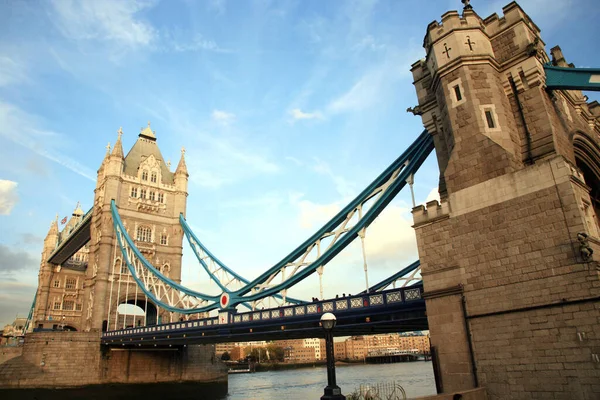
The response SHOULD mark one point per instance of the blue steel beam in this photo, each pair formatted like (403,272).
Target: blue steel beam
(572,78)
(393,310)
(193,241)
(415,155)
(398,172)
(124,238)
(384,283)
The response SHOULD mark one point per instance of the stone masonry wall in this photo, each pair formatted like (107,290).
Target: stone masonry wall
(532,303)
(540,354)
(6,353)
(72,359)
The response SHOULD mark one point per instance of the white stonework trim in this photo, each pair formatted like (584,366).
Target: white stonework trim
(540,176)
(454,101)
(492,109)
(566,108)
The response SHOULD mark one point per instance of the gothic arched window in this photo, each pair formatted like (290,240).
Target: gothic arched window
(144,234)
(153,177)
(587,156)
(144,175)
(142,193)
(152,197)
(161,198)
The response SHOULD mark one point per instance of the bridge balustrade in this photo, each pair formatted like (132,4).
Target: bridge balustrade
(339,306)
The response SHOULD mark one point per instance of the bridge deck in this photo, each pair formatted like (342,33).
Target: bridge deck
(397,310)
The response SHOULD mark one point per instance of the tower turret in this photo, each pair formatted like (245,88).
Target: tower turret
(181,173)
(116,160)
(45,274)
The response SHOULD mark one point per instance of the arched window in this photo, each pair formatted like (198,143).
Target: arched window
(152,196)
(134,192)
(120,268)
(144,175)
(142,193)
(587,157)
(161,198)
(144,234)
(165,270)
(163,239)
(153,177)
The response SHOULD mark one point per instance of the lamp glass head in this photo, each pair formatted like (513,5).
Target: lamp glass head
(328,321)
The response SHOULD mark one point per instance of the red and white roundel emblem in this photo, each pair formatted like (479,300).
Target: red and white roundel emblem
(224,300)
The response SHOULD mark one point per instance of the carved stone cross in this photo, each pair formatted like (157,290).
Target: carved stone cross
(469,43)
(447,50)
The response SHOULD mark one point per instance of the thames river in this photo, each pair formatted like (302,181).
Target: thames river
(303,384)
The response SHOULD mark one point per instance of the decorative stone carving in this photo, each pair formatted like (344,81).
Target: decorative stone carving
(584,246)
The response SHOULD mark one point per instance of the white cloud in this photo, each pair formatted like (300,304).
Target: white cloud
(41,141)
(433,195)
(11,71)
(343,186)
(298,114)
(217,160)
(223,117)
(219,6)
(376,84)
(8,196)
(368,42)
(113,20)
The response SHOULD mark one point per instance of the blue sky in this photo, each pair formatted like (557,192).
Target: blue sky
(287,109)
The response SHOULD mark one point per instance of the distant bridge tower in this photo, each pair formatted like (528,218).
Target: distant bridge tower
(59,299)
(150,198)
(512,294)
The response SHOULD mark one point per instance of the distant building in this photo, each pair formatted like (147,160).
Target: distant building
(302,350)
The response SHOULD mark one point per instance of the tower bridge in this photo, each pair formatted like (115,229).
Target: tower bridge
(507,280)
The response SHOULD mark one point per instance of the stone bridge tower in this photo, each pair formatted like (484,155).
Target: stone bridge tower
(150,198)
(512,294)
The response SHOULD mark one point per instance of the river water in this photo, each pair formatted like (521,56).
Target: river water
(299,384)
(308,383)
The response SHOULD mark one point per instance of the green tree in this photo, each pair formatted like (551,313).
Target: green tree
(276,353)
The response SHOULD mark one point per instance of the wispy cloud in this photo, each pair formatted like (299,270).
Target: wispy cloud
(41,141)
(112,20)
(198,43)
(121,25)
(11,71)
(219,159)
(375,84)
(368,42)
(298,114)
(8,196)
(223,117)
(218,6)
(343,186)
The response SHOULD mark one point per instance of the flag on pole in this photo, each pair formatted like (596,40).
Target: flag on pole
(63,221)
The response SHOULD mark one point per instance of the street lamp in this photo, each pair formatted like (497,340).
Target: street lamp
(332,391)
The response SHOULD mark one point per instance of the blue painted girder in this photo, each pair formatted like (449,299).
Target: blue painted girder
(572,78)
(415,155)
(397,310)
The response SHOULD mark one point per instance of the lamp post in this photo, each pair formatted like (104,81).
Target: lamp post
(332,390)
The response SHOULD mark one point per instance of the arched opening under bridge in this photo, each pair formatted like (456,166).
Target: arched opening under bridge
(587,157)
(136,312)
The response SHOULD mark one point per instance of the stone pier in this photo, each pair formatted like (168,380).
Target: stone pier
(75,360)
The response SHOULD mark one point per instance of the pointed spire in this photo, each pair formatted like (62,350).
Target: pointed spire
(53,227)
(78,211)
(181,167)
(147,133)
(118,149)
